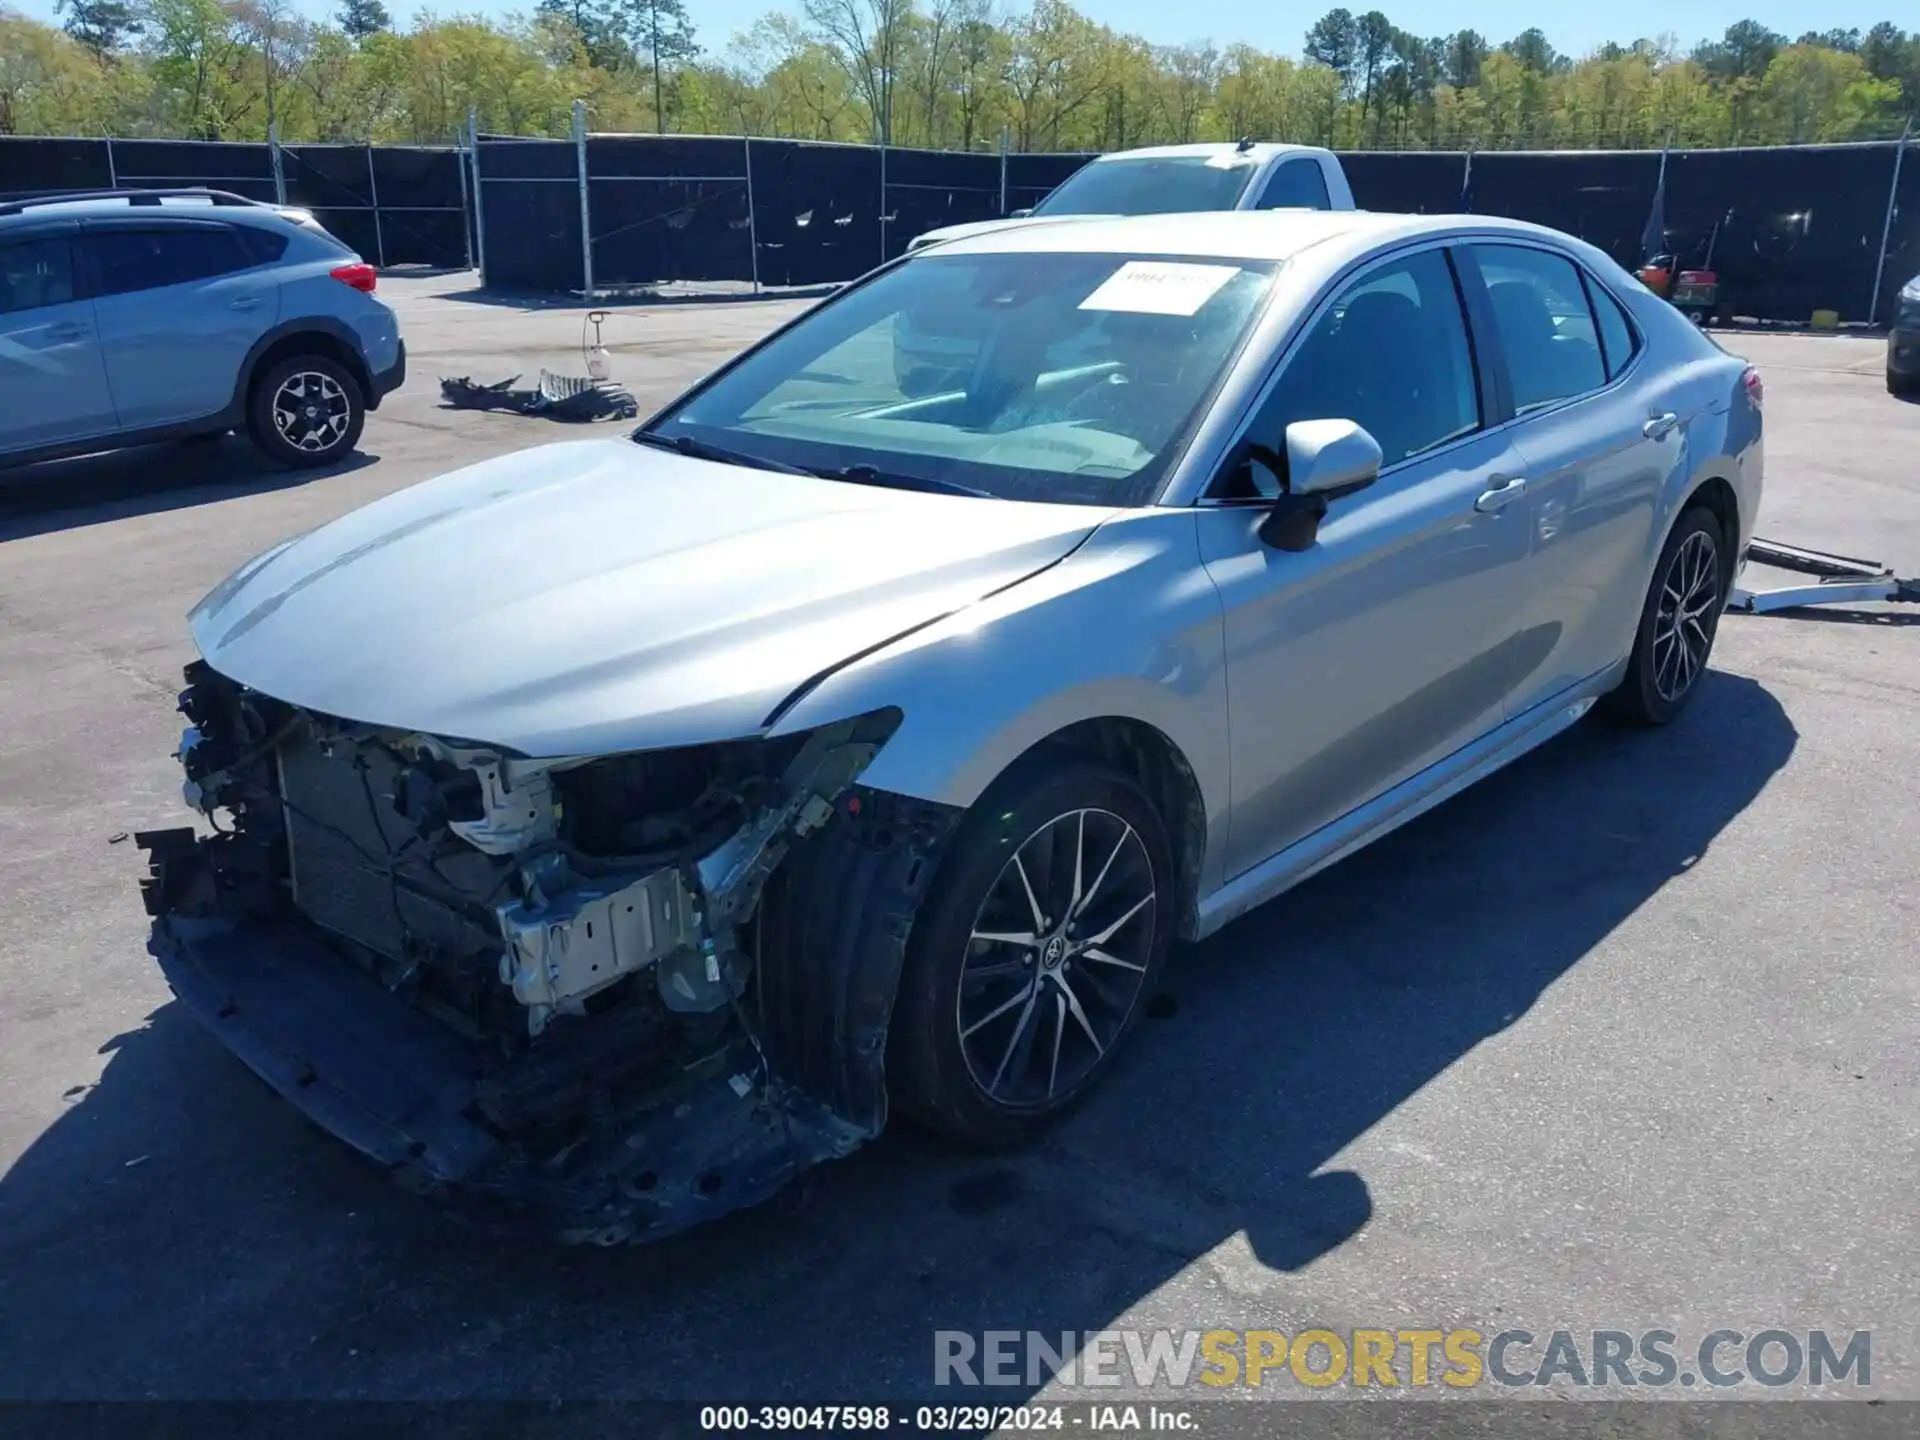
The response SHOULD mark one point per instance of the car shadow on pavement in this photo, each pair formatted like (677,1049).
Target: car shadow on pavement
(180,1233)
(144,480)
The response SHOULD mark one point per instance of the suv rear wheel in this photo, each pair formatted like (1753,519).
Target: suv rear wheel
(306,410)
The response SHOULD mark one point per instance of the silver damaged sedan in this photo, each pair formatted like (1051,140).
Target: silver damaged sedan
(608,832)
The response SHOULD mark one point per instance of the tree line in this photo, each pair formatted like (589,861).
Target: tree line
(944,74)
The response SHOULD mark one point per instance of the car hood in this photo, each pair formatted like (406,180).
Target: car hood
(597,596)
(987,227)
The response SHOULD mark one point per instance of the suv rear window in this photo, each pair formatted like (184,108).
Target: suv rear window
(129,258)
(263,247)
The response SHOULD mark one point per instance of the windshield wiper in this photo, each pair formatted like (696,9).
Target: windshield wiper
(867,475)
(702,450)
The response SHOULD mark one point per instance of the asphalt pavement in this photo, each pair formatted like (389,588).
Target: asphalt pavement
(1626,1037)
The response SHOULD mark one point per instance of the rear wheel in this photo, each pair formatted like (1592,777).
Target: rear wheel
(1678,622)
(1032,959)
(306,410)
(1905,386)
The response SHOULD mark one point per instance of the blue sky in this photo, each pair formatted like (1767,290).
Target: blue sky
(1280,29)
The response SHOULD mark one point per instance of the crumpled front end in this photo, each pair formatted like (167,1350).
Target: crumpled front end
(540,980)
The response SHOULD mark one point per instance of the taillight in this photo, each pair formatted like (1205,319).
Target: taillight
(1756,392)
(360,275)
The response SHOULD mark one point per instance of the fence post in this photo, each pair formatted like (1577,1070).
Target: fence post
(753,220)
(113,176)
(462,155)
(1886,226)
(479,190)
(883,203)
(373,194)
(586,210)
(279,172)
(1003,171)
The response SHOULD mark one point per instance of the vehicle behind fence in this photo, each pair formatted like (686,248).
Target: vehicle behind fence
(1789,230)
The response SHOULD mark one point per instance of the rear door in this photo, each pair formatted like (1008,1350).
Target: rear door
(1598,438)
(179,302)
(53,383)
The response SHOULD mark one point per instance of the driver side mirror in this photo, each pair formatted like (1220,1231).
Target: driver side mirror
(1018,214)
(1325,460)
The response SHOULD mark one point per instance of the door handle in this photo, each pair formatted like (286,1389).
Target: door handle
(247,302)
(67,331)
(1659,424)
(1504,491)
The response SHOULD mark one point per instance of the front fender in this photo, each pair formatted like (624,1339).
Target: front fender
(1129,625)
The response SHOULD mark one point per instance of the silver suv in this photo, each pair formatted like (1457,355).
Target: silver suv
(132,316)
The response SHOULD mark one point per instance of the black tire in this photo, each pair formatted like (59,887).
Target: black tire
(306,410)
(1670,656)
(1905,386)
(1079,1009)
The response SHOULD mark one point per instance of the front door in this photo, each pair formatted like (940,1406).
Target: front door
(1397,638)
(53,385)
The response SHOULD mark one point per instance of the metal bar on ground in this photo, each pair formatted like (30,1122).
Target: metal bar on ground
(466,223)
(279,172)
(586,208)
(373,194)
(1886,227)
(753,223)
(1843,580)
(479,191)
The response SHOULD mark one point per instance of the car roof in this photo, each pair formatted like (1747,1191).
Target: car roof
(167,207)
(1236,234)
(1206,149)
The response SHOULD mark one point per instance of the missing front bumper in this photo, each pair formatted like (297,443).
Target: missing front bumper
(403,1091)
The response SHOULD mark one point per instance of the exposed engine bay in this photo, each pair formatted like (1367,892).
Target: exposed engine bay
(573,1011)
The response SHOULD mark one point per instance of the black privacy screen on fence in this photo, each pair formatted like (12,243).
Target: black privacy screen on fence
(395,204)
(1789,230)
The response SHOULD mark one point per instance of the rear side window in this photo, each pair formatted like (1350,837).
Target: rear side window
(263,247)
(128,259)
(36,273)
(1540,311)
(1298,184)
(1618,342)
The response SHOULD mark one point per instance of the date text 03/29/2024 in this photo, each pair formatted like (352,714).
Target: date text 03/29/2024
(943,1419)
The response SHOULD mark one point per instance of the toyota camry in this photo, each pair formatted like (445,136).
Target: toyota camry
(617,828)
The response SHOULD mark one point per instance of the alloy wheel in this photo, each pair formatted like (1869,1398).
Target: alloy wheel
(311,411)
(1057,959)
(1685,618)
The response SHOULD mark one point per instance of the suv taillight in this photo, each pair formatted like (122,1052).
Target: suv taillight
(360,275)
(1756,392)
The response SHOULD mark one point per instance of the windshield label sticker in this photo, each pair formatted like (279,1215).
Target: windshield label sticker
(1159,287)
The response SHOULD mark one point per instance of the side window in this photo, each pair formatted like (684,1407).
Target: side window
(1390,354)
(147,259)
(1618,340)
(36,273)
(1540,311)
(1298,184)
(263,247)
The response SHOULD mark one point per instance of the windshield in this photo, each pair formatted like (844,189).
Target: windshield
(1066,378)
(1165,185)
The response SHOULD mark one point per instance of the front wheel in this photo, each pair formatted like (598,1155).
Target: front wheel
(1032,960)
(1905,386)
(1678,622)
(306,411)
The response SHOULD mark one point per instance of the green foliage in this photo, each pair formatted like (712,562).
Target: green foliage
(942,73)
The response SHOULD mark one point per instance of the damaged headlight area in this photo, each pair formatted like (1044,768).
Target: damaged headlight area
(530,976)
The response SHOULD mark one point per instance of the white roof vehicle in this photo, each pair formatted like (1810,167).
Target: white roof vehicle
(1174,179)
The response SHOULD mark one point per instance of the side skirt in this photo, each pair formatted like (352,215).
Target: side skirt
(1406,801)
